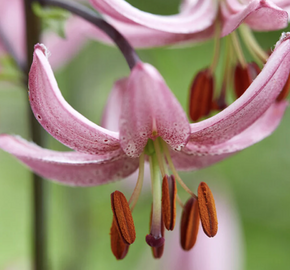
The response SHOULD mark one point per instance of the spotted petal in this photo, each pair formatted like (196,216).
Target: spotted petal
(193,157)
(58,117)
(260,15)
(70,168)
(150,110)
(194,16)
(251,105)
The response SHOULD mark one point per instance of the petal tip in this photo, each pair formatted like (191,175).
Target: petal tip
(40,46)
(284,36)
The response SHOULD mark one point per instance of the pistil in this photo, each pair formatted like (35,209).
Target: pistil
(155,239)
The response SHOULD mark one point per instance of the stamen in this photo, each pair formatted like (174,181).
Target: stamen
(155,239)
(189,224)
(217,44)
(123,217)
(252,44)
(207,210)
(169,191)
(201,95)
(244,77)
(137,190)
(238,49)
(172,168)
(118,246)
(179,201)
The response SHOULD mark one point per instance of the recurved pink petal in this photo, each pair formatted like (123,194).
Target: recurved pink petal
(58,117)
(143,37)
(70,168)
(195,16)
(195,157)
(150,110)
(251,105)
(261,15)
(112,111)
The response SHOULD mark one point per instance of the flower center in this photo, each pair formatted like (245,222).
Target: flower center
(163,210)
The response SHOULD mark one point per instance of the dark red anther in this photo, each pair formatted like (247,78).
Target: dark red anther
(118,246)
(243,77)
(201,95)
(285,91)
(189,224)
(169,192)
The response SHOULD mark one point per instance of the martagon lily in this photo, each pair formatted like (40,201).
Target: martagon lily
(151,126)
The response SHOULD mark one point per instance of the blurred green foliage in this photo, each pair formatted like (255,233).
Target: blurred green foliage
(79,219)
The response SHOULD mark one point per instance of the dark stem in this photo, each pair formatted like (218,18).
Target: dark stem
(90,16)
(39,240)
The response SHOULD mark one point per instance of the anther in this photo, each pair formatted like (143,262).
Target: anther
(189,224)
(123,217)
(244,76)
(285,91)
(207,210)
(201,95)
(118,246)
(169,191)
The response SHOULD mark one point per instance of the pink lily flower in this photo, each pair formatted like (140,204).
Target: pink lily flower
(12,24)
(147,110)
(195,21)
(151,126)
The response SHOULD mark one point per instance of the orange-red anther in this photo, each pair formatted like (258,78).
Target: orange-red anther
(207,210)
(285,91)
(118,246)
(201,95)
(123,217)
(244,76)
(189,224)
(169,191)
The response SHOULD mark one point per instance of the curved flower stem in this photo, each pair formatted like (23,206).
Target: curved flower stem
(39,224)
(90,16)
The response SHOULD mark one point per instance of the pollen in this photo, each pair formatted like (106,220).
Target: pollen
(118,246)
(169,191)
(189,224)
(207,210)
(123,217)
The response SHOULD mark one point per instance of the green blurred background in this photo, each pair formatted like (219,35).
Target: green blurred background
(79,218)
